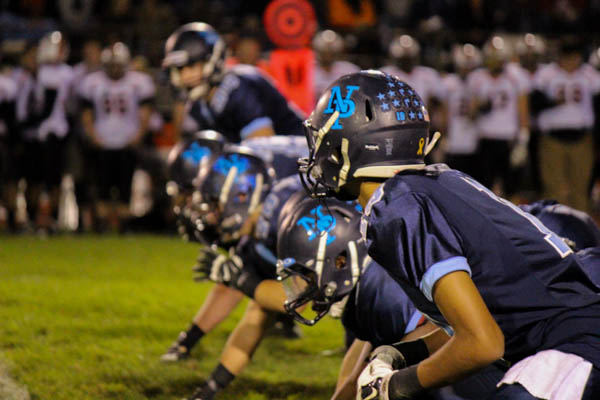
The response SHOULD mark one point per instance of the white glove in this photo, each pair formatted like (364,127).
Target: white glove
(374,379)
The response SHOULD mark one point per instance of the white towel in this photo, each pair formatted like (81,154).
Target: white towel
(551,375)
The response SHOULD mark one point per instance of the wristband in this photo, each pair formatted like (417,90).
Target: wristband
(414,352)
(404,384)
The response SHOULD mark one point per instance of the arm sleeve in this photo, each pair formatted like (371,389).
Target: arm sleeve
(415,237)
(248,110)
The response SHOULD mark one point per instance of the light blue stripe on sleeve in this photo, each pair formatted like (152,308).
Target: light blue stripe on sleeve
(413,321)
(258,123)
(266,254)
(439,270)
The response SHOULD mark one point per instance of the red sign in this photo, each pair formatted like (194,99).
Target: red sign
(293,71)
(290,24)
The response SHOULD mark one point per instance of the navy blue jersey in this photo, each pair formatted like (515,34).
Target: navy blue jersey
(245,101)
(378,311)
(264,242)
(425,224)
(566,222)
(282,152)
(590,262)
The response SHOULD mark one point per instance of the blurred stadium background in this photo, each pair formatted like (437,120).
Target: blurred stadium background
(86,316)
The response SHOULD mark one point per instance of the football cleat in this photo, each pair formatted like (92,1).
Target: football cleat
(177,351)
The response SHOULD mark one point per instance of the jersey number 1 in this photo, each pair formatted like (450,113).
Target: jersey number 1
(552,238)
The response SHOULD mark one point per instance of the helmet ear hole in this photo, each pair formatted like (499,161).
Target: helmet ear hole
(340,260)
(336,155)
(368,111)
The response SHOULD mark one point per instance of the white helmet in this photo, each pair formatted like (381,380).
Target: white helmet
(115,59)
(53,48)
(328,41)
(466,56)
(404,46)
(531,43)
(496,52)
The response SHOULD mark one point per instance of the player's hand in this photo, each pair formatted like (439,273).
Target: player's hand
(374,379)
(218,265)
(519,152)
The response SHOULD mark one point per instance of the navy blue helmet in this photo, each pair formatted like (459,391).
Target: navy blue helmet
(320,254)
(367,124)
(184,162)
(232,189)
(192,43)
(188,154)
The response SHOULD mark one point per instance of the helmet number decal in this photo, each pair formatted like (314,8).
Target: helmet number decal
(345,106)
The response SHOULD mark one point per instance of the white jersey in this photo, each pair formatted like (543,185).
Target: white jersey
(461,137)
(52,90)
(8,94)
(323,78)
(424,80)
(575,90)
(116,105)
(503,91)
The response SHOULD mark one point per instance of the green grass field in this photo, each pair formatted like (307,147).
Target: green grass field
(88,317)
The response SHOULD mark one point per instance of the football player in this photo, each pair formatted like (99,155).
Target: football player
(503,117)
(504,285)
(53,85)
(462,136)
(577,228)
(28,153)
(531,50)
(281,151)
(563,98)
(8,96)
(329,47)
(240,102)
(251,270)
(250,266)
(185,161)
(566,222)
(323,260)
(117,108)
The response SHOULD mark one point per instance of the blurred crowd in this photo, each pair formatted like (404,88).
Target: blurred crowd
(87,116)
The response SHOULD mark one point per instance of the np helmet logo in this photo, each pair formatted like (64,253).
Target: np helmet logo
(345,106)
(317,224)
